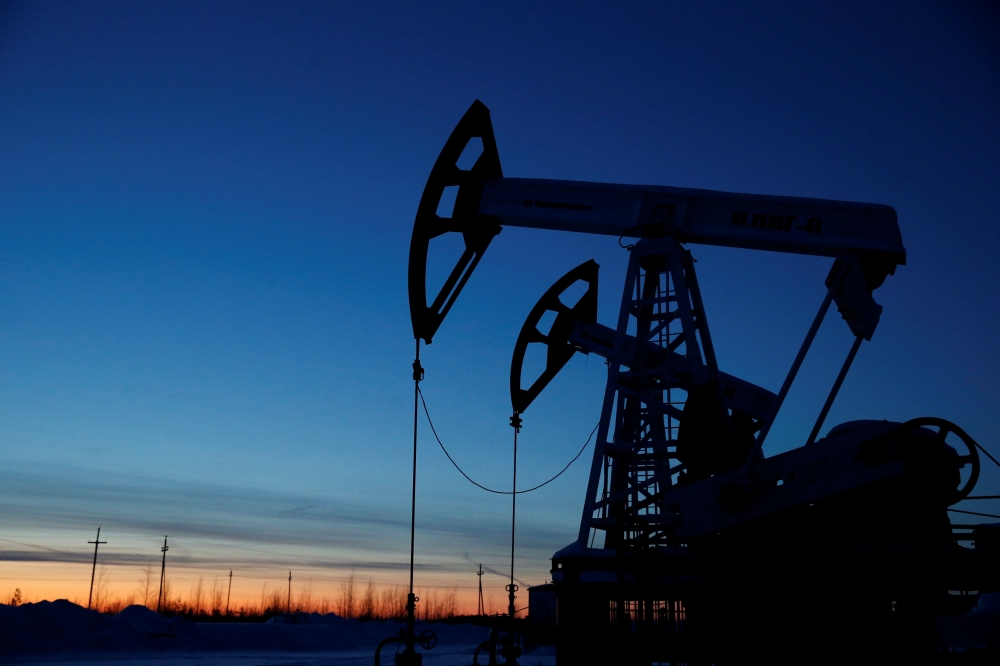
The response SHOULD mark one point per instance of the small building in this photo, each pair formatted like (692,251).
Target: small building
(542,610)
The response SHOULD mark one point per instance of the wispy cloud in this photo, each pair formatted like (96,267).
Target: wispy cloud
(209,523)
(207,562)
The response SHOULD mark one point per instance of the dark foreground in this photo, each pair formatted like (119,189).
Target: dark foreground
(60,632)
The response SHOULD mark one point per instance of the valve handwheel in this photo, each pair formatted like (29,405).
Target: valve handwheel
(943,429)
(428,639)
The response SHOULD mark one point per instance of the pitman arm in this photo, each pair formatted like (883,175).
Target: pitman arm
(736,393)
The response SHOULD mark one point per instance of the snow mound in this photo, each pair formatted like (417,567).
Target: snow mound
(64,627)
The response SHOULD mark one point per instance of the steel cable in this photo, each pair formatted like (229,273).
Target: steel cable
(981,497)
(479,485)
(975,513)
(987,453)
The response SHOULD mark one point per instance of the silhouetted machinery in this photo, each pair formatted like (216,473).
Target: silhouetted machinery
(693,547)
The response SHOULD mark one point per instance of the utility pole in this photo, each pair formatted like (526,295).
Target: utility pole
(482,608)
(163,573)
(230,592)
(97,542)
(288,608)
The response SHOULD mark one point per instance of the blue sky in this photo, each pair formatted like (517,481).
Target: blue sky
(205,212)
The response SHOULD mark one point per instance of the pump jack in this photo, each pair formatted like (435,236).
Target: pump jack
(710,552)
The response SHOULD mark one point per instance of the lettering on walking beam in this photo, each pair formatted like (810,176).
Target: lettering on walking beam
(776,222)
(538,203)
(663,213)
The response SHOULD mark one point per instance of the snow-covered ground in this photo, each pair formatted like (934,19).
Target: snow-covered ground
(59,632)
(436,657)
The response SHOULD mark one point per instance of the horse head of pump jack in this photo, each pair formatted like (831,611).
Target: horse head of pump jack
(558,346)
(477,230)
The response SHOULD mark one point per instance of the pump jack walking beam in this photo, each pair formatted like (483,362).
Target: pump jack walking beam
(486,201)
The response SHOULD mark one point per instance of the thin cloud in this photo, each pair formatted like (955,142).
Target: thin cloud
(212,525)
(208,562)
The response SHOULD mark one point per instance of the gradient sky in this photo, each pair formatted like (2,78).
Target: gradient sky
(205,213)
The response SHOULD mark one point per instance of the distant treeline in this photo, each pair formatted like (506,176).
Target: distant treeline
(205,604)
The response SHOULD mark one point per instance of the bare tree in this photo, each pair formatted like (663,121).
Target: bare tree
(428,602)
(304,601)
(438,605)
(146,585)
(216,597)
(276,602)
(100,590)
(449,604)
(168,604)
(271,603)
(366,611)
(347,598)
(196,602)
(392,603)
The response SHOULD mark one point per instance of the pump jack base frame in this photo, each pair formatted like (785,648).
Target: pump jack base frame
(770,596)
